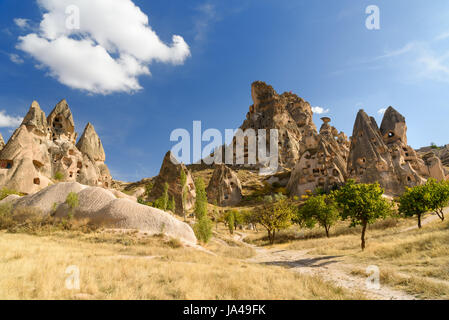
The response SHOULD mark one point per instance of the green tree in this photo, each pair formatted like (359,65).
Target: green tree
(183,180)
(414,202)
(363,204)
(230,221)
(321,209)
(437,196)
(203,229)
(172,205)
(275,216)
(201,199)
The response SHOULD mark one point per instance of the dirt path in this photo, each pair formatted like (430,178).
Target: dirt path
(329,268)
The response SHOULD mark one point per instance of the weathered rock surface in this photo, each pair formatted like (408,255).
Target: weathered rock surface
(322,165)
(102,208)
(382,155)
(224,187)
(2,142)
(171,173)
(42,148)
(289,114)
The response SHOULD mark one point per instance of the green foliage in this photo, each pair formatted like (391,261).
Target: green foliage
(362,203)
(203,229)
(149,188)
(274,216)
(59,176)
(5,192)
(183,181)
(321,209)
(230,221)
(413,202)
(434,146)
(172,205)
(432,196)
(201,199)
(73,202)
(162,202)
(437,196)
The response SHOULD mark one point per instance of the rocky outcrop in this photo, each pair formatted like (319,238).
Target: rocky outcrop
(170,173)
(382,155)
(224,187)
(2,142)
(102,208)
(42,150)
(322,165)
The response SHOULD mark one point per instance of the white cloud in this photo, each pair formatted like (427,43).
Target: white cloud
(319,110)
(7,121)
(381,111)
(112,48)
(16,58)
(21,23)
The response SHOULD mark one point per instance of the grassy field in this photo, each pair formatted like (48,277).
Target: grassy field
(414,261)
(127,266)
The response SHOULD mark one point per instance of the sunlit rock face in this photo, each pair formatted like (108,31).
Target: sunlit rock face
(382,154)
(43,149)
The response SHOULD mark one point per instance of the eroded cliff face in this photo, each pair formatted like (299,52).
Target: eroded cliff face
(170,173)
(322,165)
(382,155)
(43,149)
(289,114)
(224,188)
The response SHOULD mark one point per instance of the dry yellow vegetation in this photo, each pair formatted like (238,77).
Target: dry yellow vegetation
(411,260)
(128,266)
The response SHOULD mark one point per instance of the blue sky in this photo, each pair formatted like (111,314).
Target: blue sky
(319,49)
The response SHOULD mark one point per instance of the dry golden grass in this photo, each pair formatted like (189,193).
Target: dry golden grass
(415,261)
(125,266)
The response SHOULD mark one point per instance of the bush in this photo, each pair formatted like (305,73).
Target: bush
(4,192)
(203,229)
(59,176)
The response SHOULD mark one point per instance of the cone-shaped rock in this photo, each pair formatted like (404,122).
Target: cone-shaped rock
(224,187)
(90,144)
(36,120)
(170,173)
(61,122)
(393,127)
(40,153)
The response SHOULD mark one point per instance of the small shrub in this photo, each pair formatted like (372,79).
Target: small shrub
(174,243)
(59,176)
(5,192)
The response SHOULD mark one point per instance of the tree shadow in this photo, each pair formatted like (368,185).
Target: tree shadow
(308,262)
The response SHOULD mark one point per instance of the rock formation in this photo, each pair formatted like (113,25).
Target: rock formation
(104,209)
(43,149)
(2,142)
(382,155)
(170,173)
(322,165)
(224,187)
(289,114)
